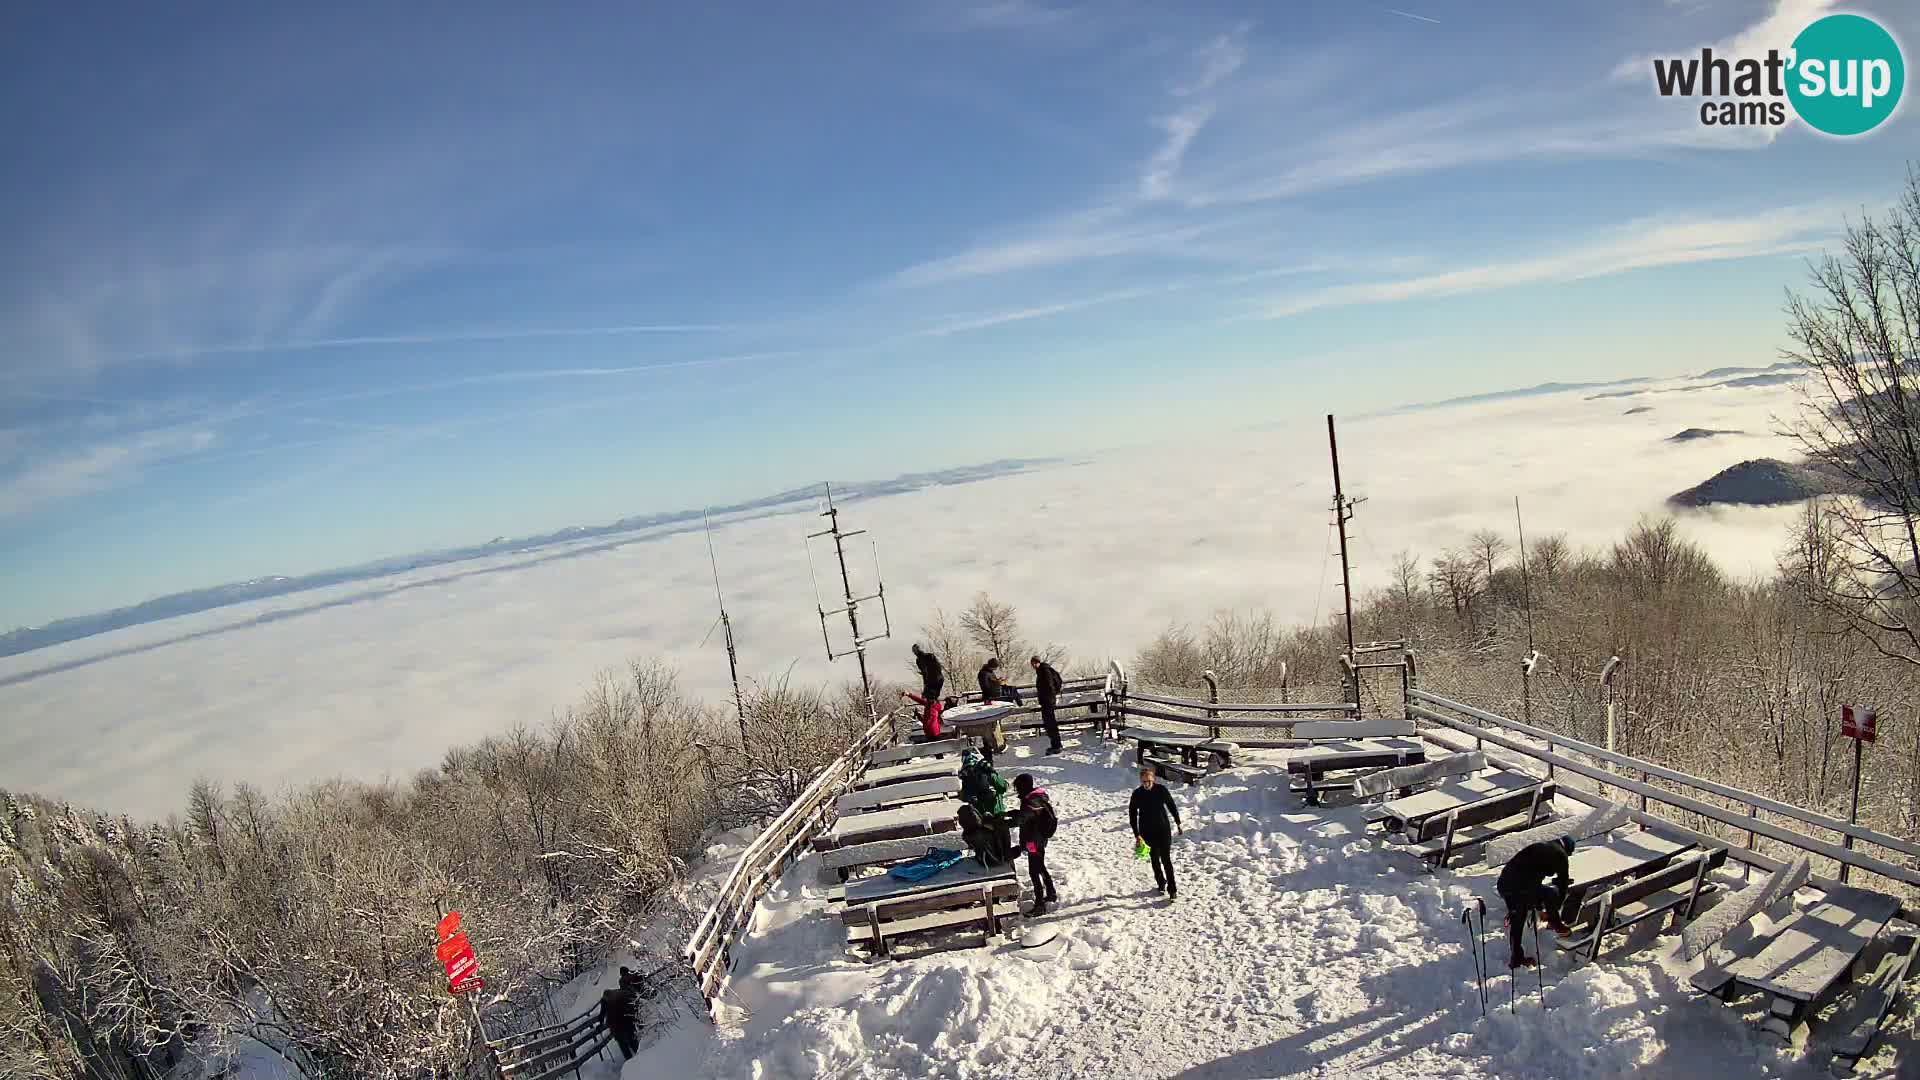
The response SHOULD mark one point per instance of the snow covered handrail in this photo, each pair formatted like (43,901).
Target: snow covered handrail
(1771,806)
(765,857)
(1511,739)
(1274,707)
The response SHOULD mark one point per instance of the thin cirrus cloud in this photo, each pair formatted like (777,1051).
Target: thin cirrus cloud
(433,338)
(96,468)
(1639,245)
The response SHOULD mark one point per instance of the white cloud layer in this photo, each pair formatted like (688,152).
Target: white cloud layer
(1097,556)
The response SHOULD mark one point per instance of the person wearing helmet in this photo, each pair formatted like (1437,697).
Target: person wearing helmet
(1524,887)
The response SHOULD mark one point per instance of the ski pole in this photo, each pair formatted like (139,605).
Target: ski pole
(1540,962)
(1480,941)
(1480,978)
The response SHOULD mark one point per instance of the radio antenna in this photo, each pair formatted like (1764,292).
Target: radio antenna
(733,656)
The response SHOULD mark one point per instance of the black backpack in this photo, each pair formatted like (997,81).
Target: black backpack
(1045,820)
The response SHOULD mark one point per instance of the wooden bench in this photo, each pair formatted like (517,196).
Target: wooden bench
(1442,836)
(1877,1000)
(907,772)
(1315,762)
(877,922)
(1302,733)
(879,798)
(967,871)
(895,823)
(1613,859)
(894,755)
(1802,962)
(844,860)
(1407,777)
(1160,747)
(1677,886)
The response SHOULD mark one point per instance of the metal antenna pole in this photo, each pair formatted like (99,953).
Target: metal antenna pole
(1526,594)
(852,602)
(1342,513)
(733,656)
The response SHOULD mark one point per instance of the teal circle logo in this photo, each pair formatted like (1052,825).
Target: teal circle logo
(1847,75)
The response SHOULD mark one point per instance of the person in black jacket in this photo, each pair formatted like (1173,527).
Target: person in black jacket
(1148,811)
(1046,687)
(933,678)
(1037,823)
(991,686)
(1523,885)
(619,1011)
(985,836)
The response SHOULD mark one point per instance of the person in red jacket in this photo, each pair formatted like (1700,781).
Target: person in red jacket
(930,710)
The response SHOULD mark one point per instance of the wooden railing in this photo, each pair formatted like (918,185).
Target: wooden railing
(709,949)
(1525,739)
(549,1052)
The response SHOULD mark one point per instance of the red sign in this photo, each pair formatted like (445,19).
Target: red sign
(1857,722)
(456,953)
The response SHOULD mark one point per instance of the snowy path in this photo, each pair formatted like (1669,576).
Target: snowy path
(1299,947)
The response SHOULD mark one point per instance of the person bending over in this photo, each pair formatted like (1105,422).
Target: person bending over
(1524,887)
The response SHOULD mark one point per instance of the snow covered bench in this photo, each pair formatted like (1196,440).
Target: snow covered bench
(1158,747)
(894,755)
(1440,836)
(884,908)
(1409,812)
(896,823)
(1799,964)
(1877,1000)
(907,772)
(1314,763)
(1676,887)
(1303,733)
(879,798)
(1600,865)
(845,860)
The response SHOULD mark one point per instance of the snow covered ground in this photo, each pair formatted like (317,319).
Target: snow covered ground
(1299,946)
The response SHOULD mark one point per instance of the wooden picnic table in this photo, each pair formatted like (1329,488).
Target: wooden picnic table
(896,823)
(1809,956)
(879,887)
(1412,809)
(1601,863)
(976,715)
(894,755)
(908,771)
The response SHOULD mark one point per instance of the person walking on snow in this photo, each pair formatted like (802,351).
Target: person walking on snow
(930,710)
(1524,887)
(1149,811)
(1037,824)
(933,678)
(993,688)
(1046,687)
(619,1011)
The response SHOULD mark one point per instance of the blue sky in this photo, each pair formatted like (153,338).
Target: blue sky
(286,290)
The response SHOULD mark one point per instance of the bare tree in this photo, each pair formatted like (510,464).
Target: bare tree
(1487,547)
(1858,334)
(993,627)
(1549,555)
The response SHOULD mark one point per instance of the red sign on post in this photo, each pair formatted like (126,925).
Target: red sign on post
(1857,722)
(456,953)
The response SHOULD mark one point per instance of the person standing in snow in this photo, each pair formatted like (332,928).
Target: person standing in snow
(993,688)
(619,1011)
(1046,687)
(1152,813)
(1523,885)
(933,678)
(1037,823)
(980,786)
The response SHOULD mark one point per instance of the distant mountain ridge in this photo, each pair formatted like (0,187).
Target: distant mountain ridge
(29,638)
(1761,482)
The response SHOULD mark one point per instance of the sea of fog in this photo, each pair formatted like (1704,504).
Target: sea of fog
(378,678)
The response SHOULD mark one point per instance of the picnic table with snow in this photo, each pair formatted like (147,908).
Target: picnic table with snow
(907,772)
(1314,762)
(1399,814)
(894,823)
(895,755)
(1800,962)
(972,719)
(882,908)
(1603,862)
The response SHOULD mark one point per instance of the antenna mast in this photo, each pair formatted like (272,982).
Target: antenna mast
(851,602)
(1526,593)
(1342,513)
(726,624)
